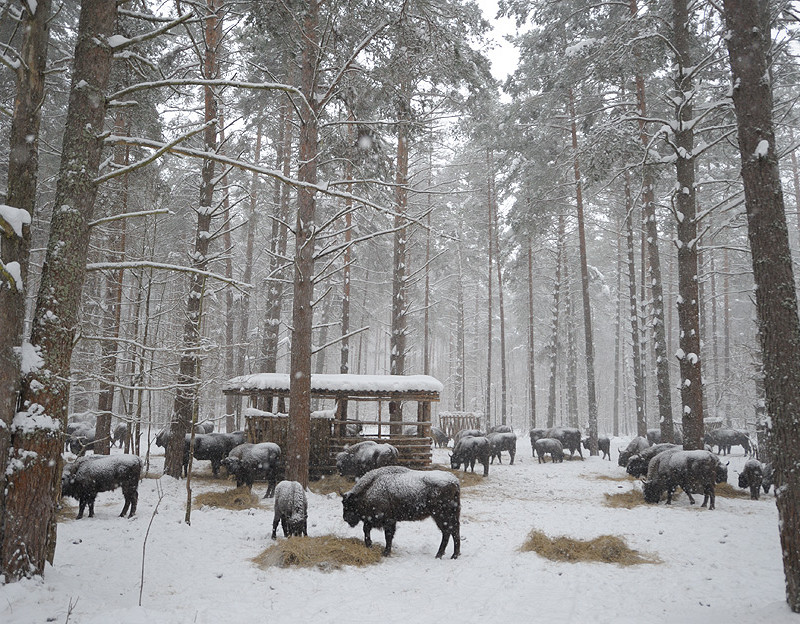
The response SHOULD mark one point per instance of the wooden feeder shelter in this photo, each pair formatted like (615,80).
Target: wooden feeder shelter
(329,434)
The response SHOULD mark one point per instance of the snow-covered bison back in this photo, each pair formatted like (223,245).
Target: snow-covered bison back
(385,496)
(87,476)
(693,471)
(360,458)
(247,462)
(291,509)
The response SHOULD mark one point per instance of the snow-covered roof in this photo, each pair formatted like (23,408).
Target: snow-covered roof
(335,385)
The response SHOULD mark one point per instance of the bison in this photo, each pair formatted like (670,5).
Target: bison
(691,470)
(569,437)
(87,476)
(360,458)
(752,476)
(603,445)
(724,439)
(291,509)
(385,496)
(247,462)
(637,445)
(475,433)
(543,446)
(470,449)
(640,462)
(440,438)
(535,434)
(502,441)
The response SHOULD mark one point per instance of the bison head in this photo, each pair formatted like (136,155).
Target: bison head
(721,472)
(349,510)
(455,461)
(232,465)
(637,466)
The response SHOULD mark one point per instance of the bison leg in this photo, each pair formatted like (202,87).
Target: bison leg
(91,507)
(215,467)
(285,526)
(81,507)
(275,521)
(486,468)
(367,538)
(512,453)
(271,480)
(388,532)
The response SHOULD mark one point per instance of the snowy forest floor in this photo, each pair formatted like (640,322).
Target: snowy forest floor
(715,566)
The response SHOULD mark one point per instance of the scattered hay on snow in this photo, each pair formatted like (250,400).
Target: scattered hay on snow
(66,512)
(328,484)
(625,500)
(726,490)
(603,549)
(326,552)
(466,479)
(236,499)
(622,477)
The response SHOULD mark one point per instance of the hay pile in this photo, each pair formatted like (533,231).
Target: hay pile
(726,490)
(466,479)
(624,500)
(617,478)
(603,549)
(328,484)
(236,499)
(326,552)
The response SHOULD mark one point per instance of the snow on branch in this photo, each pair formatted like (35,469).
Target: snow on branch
(125,215)
(158,153)
(118,42)
(115,266)
(339,339)
(199,82)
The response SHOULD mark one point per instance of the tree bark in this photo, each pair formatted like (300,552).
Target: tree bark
(489,303)
(399,321)
(663,386)
(299,438)
(554,346)
(686,211)
(587,307)
(776,299)
(531,350)
(113,305)
(33,487)
(617,339)
(23,168)
(499,265)
(638,381)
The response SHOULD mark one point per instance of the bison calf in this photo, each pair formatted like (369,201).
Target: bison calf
(291,509)
(87,476)
(385,496)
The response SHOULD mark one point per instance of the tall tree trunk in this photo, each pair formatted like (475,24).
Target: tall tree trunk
(187,395)
(686,211)
(399,321)
(531,350)
(244,301)
(299,439)
(113,304)
(776,297)
(461,360)
(344,364)
(489,319)
(268,360)
(663,385)
(32,488)
(231,308)
(638,381)
(499,264)
(571,379)
(23,168)
(617,338)
(554,346)
(587,307)
(795,179)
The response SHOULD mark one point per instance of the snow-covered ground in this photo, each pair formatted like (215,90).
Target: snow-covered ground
(717,566)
